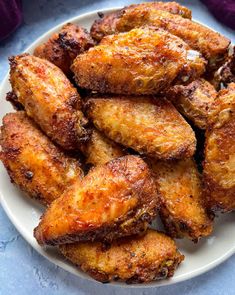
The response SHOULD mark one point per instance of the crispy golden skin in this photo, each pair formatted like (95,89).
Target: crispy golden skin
(113,200)
(49,98)
(107,24)
(194,100)
(141,61)
(100,149)
(152,127)
(62,48)
(182,208)
(133,260)
(33,162)
(219,166)
(211,44)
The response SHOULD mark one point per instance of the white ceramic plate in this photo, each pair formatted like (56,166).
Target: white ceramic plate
(25,213)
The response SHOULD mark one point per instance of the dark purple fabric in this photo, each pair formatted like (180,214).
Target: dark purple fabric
(10,16)
(223,10)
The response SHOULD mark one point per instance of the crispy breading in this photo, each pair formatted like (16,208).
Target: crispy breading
(211,44)
(107,24)
(63,46)
(113,200)
(141,61)
(49,98)
(133,260)
(100,149)
(194,100)
(33,162)
(147,125)
(219,166)
(182,208)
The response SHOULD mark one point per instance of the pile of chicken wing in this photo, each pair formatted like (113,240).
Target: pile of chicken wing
(114,127)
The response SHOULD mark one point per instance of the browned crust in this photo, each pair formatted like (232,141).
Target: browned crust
(106,25)
(219,153)
(133,260)
(217,197)
(62,47)
(211,44)
(182,209)
(33,162)
(99,149)
(194,100)
(142,61)
(145,136)
(181,228)
(12,98)
(107,233)
(50,99)
(226,74)
(124,184)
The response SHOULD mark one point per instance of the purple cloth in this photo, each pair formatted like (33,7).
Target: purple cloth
(223,10)
(10,16)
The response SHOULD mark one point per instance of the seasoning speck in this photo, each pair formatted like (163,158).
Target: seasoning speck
(28,175)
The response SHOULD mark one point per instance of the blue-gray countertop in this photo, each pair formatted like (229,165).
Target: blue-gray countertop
(22,270)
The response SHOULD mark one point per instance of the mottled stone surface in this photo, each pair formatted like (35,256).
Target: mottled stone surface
(22,270)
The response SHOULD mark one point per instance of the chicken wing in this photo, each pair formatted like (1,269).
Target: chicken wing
(33,162)
(107,24)
(182,208)
(141,61)
(62,48)
(100,149)
(219,168)
(113,200)
(194,100)
(49,98)
(133,260)
(211,44)
(152,127)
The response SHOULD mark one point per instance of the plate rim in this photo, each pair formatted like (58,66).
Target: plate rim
(79,273)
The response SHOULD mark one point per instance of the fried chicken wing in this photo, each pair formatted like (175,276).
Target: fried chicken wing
(107,24)
(33,162)
(152,127)
(219,165)
(141,61)
(113,200)
(100,149)
(194,100)
(62,48)
(49,98)
(133,260)
(182,207)
(211,44)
